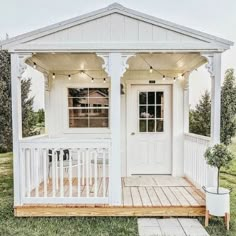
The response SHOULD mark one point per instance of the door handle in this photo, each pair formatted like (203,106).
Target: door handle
(132,133)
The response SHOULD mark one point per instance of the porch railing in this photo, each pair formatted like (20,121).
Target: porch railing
(60,172)
(195,166)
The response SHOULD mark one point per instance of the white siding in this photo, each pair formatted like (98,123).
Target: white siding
(115,27)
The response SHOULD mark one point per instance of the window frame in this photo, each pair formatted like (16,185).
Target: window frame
(82,130)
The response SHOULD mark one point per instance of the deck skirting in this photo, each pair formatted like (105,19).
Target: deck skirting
(78,210)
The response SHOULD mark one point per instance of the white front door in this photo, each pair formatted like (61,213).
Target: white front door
(149,143)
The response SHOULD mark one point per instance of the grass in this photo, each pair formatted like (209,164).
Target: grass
(10,225)
(100,226)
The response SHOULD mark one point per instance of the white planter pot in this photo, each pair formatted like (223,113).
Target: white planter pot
(217,203)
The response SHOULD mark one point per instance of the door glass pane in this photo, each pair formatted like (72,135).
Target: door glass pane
(151,98)
(159,112)
(142,126)
(159,126)
(151,125)
(159,97)
(151,112)
(142,111)
(142,98)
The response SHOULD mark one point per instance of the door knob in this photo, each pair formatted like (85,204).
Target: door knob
(132,133)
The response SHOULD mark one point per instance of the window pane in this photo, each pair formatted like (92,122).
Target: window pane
(142,98)
(97,92)
(159,112)
(98,113)
(78,92)
(77,102)
(142,111)
(98,101)
(151,125)
(151,112)
(142,126)
(98,122)
(78,113)
(159,126)
(78,123)
(159,98)
(151,98)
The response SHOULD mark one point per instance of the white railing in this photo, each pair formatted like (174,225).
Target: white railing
(195,166)
(62,172)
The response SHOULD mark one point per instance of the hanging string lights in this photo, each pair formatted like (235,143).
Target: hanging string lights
(69,76)
(151,69)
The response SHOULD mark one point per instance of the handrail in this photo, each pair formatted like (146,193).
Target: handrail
(198,136)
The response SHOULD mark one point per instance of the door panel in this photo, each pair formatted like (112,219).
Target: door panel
(149,129)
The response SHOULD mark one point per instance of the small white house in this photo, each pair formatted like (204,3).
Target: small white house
(117,116)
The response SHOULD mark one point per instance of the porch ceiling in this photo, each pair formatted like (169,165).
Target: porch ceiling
(171,64)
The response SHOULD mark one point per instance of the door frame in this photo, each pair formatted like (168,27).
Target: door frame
(145,82)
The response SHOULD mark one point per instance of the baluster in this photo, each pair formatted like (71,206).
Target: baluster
(78,170)
(70,172)
(90,167)
(104,171)
(54,156)
(56,169)
(61,174)
(28,172)
(83,167)
(95,173)
(45,151)
(23,174)
(87,172)
(36,166)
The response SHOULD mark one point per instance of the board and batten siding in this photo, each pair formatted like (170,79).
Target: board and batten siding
(115,27)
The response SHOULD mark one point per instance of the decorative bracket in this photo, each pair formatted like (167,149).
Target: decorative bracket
(210,63)
(22,63)
(107,62)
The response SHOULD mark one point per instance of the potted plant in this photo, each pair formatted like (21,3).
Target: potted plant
(217,198)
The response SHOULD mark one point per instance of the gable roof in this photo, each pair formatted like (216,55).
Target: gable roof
(111,9)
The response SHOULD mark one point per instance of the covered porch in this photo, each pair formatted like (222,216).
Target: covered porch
(158,195)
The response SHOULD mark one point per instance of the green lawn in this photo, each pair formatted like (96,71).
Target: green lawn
(10,225)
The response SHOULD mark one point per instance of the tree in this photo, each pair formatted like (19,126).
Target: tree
(200,117)
(29,120)
(228,108)
(199,122)
(5,103)
(218,156)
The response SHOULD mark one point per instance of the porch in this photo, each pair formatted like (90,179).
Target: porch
(159,195)
(72,177)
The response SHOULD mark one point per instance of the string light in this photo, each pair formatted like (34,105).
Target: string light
(35,65)
(69,77)
(163,77)
(150,70)
(104,80)
(174,79)
(92,80)
(53,75)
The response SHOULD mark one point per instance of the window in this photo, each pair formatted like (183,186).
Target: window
(88,107)
(151,111)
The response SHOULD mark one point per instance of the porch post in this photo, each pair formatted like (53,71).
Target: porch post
(186,102)
(18,67)
(214,68)
(115,66)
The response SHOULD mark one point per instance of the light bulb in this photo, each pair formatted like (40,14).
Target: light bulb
(104,80)
(69,77)
(35,65)
(92,80)
(164,77)
(53,75)
(150,70)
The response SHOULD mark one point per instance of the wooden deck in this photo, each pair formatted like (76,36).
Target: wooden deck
(141,196)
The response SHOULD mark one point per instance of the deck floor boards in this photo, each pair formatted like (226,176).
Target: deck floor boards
(164,197)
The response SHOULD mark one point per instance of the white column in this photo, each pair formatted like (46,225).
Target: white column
(214,68)
(115,65)
(186,103)
(115,60)
(17,69)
